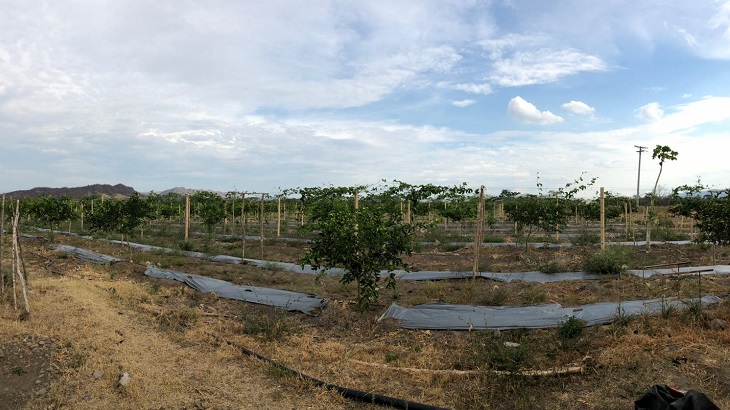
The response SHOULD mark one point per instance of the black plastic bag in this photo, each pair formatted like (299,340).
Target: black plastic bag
(663,397)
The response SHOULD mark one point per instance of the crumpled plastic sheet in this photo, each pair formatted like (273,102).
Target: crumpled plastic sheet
(86,255)
(442,316)
(697,270)
(282,299)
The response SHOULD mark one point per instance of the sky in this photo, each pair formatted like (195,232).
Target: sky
(259,96)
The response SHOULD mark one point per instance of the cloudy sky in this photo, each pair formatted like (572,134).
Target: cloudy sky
(257,95)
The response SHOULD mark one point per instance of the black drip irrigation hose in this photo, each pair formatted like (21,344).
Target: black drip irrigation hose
(348,393)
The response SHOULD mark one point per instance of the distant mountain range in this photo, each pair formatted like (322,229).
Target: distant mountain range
(115,191)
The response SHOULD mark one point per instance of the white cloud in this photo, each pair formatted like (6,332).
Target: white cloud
(473,88)
(686,116)
(463,103)
(579,107)
(649,112)
(526,112)
(543,66)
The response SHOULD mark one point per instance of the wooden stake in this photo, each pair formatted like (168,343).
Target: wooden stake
(187,216)
(243,227)
(2,236)
(603,221)
(278,218)
(479,235)
(17,259)
(261,221)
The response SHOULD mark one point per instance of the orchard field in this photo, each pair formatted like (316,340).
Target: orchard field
(89,324)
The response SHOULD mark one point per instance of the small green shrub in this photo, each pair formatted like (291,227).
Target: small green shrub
(553,267)
(571,328)
(612,261)
(492,352)
(496,296)
(534,296)
(270,327)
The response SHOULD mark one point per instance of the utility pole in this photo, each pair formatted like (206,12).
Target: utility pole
(638,178)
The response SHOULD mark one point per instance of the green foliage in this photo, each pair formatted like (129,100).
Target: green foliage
(51,211)
(613,261)
(120,216)
(270,326)
(547,213)
(709,208)
(210,208)
(571,328)
(491,351)
(363,241)
(591,210)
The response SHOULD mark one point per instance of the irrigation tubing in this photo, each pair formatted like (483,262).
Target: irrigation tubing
(348,393)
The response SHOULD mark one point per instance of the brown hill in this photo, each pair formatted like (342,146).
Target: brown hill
(118,191)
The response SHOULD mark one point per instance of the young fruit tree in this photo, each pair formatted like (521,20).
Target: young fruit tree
(363,240)
(663,153)
(120,216)
(709,208)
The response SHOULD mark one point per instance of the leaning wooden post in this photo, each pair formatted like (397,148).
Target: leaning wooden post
(187,216)
(603,221)
(18,259)
(243,228)
(479,235)
(261,222)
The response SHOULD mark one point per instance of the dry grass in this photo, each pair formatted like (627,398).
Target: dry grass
(114,319)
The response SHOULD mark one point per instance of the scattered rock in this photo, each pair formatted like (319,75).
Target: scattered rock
(41,391)
(124,380)
(97,374)
(511,344)
(717,324)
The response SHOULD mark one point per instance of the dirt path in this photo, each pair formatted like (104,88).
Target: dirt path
(96,332)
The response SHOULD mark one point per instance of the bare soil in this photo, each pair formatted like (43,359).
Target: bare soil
(90,324)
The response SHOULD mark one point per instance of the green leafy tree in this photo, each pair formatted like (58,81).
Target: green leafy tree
(120,216)
(51,211)
(662,153)
(709,208)
(548,213)
(210,208)
(362,241)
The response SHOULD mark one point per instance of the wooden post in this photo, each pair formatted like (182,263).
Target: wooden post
(278,218)
(557,227)
(603,221)
(261,223)
(82,217)
(17,261)
(479,235)
(2,236)
(187,216)
(243,227)
(408,212)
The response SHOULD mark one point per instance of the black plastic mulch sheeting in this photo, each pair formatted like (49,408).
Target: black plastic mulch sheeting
(442,316)
(663,397)
(283,299)
(86,255)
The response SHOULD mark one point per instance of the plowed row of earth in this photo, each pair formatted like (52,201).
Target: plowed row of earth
(90,324)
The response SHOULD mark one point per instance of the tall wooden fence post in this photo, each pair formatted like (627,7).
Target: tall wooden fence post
(261,222)
(603,221)
(243,227)
(479,235)
(278,218)
(187,216)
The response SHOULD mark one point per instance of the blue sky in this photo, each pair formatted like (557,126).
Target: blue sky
(254,95)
